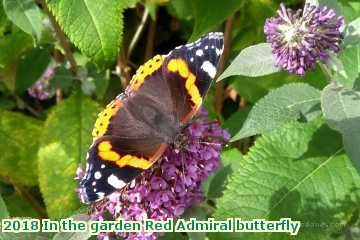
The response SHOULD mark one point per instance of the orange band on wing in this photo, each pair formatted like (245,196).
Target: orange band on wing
(105,153)
(145,70)
(179,65)
(103,119)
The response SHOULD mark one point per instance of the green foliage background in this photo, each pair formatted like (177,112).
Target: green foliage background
(295,141)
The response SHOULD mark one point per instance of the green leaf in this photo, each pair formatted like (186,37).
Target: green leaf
(199,213)
(280,106)
(350,9)
(230,162)
(18,207)
(25,14)
(341,108)
(65,141)
(180,8)
(312,2)
(62,79)
(253,89)
(174,236)
(352,33)
(357,84)
(7,103)
(151,6)
(3,21)
(23,236)
(30,68)
(88,86)
(253,61)
(13,46)
(348,66)
(19,137)
(300,172)
(95,27)
(249,26)
(235,122)
(206,20)
(333,4)
(101,80)
(3,209)
(74,235)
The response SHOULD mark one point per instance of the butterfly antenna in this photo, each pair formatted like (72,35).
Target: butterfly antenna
(209,143)
(210,140)
(183,171)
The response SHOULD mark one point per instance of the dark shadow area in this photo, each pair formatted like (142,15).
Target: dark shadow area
(357,84)
(324,142)
(310,114)
(351,93)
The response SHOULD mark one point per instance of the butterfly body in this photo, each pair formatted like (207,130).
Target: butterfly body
(135,129)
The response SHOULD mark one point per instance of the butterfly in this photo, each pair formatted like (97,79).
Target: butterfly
(134,130)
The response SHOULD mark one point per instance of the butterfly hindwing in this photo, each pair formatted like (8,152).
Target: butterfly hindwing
(113,162)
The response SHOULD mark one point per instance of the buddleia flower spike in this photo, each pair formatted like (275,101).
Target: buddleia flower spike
(298,39)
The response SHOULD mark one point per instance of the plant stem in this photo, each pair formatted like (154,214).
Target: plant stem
(149,50)
(59,95)
(220,86)
(123,69)
(62,38)
(33,202)
(138,32)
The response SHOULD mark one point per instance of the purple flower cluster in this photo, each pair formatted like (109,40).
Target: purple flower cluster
(298,39)
(171,185)
(41,89)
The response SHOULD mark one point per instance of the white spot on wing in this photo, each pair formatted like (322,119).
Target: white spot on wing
(199,52)
(102,166)
(132,184)
(209,68)
(192,59)
(116,182)
(206,47)
(100,194)
(93,183)
(97,175)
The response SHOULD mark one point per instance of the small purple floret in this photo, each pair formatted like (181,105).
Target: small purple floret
(41,89)
(298,39)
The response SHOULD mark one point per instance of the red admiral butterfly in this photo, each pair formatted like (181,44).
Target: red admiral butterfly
(136,127)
